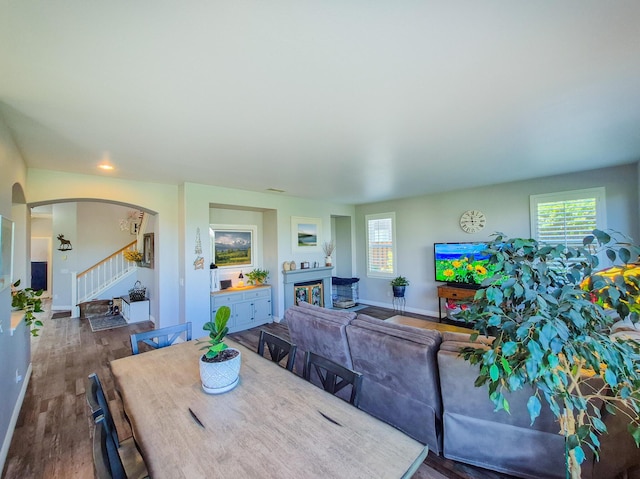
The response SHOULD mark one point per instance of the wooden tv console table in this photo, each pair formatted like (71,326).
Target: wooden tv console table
(451,292)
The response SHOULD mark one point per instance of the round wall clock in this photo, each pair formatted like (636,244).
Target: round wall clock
(472,221)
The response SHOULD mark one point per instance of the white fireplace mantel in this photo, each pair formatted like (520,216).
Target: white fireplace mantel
(291,278)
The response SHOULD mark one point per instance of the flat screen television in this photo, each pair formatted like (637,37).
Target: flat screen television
(461,264)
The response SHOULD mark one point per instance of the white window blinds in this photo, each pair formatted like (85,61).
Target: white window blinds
(381,244)
(566,218)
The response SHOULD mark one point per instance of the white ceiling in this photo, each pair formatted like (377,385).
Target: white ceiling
(353,101)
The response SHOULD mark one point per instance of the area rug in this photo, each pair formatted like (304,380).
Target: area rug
(100,323)
(60,314)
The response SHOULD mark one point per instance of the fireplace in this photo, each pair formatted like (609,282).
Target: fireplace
(306,277)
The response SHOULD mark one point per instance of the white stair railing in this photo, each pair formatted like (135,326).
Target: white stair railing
(103,274)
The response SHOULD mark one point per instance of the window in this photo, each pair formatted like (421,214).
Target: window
(381,245)
(567,217)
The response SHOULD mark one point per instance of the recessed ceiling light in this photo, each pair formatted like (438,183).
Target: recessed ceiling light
(105,167)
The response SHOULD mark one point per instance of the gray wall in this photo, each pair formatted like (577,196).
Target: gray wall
(15,346)
(422,221)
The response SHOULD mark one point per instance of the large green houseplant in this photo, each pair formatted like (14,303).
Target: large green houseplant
(28,300)
(551,316)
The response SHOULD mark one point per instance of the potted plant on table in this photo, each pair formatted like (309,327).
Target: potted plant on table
(220,365)
(258,276)
(399,285)
(546,309)
(29,300)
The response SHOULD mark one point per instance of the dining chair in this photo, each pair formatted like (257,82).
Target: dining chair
(106,460)
(161,337)
(278,348)
(100,406)
(333,376)
(113,462)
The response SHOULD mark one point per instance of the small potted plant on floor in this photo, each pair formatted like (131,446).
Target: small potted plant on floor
(258,276)
(29,300)
(220,365)
(399,285)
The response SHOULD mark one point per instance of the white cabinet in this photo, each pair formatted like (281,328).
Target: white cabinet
(135,311)
(250,306)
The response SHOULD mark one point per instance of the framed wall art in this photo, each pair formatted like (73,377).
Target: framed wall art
(306,234)
(6,252)
(147,250)
(233,246)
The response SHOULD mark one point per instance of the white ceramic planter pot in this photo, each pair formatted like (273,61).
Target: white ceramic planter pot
(220,377)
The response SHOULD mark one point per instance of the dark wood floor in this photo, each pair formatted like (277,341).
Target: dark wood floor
(52,438)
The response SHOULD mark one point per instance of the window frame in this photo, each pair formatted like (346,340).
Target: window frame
(597,193)
(394,261)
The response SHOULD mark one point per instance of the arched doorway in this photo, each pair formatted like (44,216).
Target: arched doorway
(95,230)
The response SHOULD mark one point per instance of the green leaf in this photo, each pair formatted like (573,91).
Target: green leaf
(610,377)
(494,372)
(494,320)
(624,254)
(583,432)
(505,365)
(598,424)
(535,350)
(635,433)
(534,407)
(579,454)
(573,441)
(509,348)
(505,405)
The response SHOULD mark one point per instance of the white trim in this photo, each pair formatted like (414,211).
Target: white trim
(14,418)
(598,193)
(382,216)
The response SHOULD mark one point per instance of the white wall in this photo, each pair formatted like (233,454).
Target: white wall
(183,292)
(99,234)
(46,186)
(15,347)
(424,220)
(197,200)
(64,263)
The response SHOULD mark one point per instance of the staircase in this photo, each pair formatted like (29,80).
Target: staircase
(90,283)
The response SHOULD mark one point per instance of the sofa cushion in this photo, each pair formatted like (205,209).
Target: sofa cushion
(400,376)
(343,317)
(423,336)
(320,331)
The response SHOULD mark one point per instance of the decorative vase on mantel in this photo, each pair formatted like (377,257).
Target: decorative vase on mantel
(327,261)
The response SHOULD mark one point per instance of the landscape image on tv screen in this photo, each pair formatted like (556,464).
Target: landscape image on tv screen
(462,263)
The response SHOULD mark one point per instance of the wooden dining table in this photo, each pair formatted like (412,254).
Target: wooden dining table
(272,424)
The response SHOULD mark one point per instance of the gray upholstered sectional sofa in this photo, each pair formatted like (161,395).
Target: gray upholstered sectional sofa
(415,380)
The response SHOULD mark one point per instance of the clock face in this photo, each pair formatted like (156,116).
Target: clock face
(472,221)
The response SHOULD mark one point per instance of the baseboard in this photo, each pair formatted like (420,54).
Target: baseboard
(14,418)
